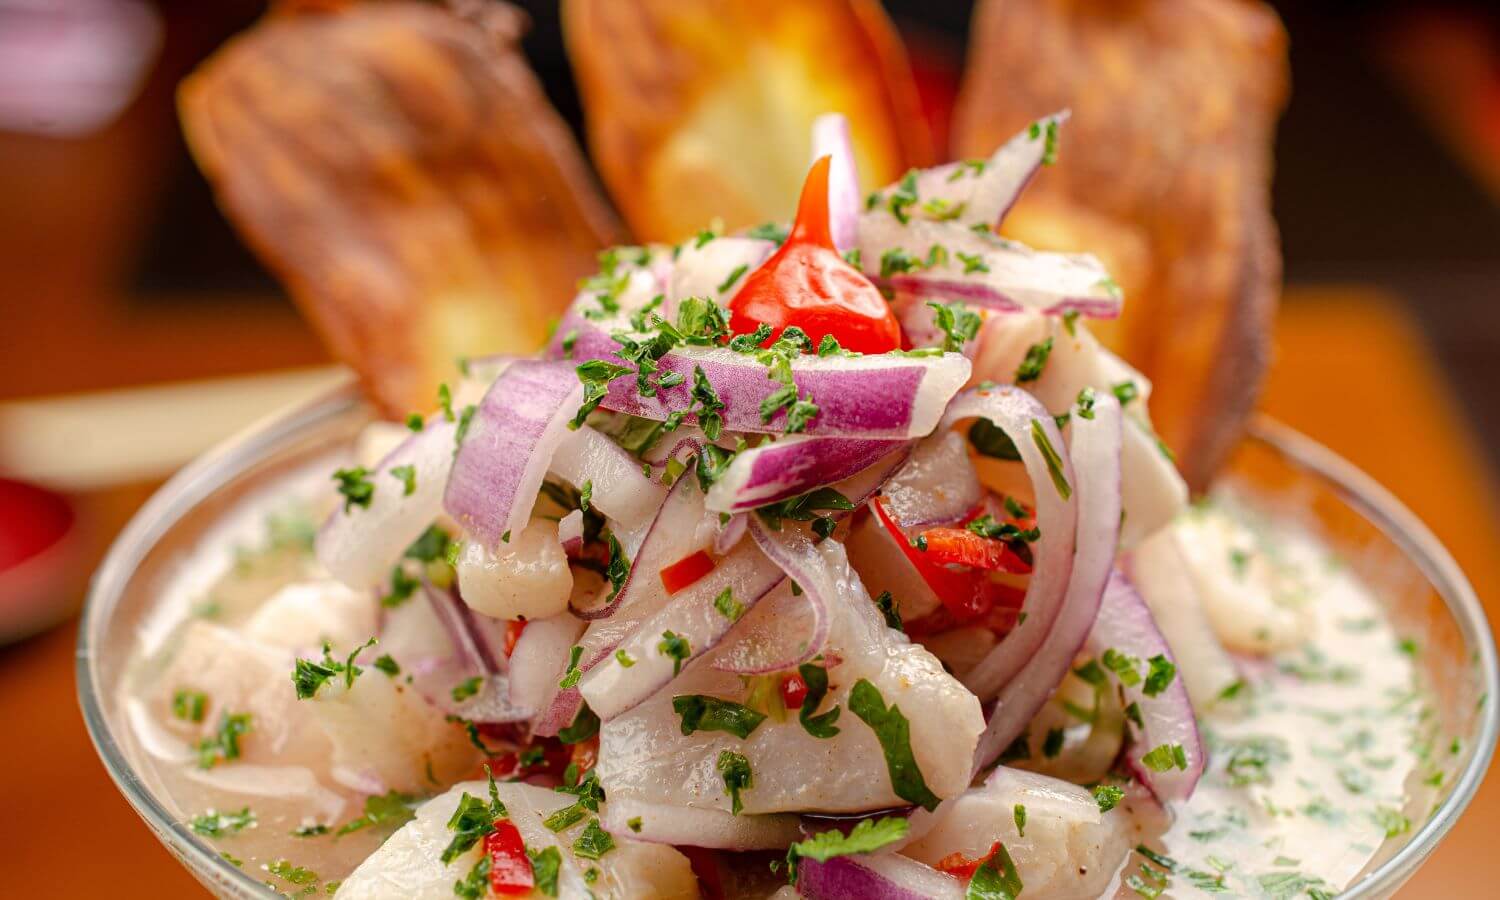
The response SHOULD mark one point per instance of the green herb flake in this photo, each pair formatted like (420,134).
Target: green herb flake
(467,688)
(189,706)
(995,879)
(894,733)
(735,769)
(392,809)
(1108,796)
(889,610)
(1019,815)
(293,874)
(676,647)
(594,842)
(224,744)
(216,824)
(1165,757)
(727,606)
(1054,462)
(815,677)
(407,475)
(703,713)
(1034,362)
(545,865)
(355,486)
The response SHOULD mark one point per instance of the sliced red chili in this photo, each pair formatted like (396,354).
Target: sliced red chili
(512,634)
(793,691)
(807,284)
(962,547)
(960,866)
(687,570)
(967,595)
(510,867)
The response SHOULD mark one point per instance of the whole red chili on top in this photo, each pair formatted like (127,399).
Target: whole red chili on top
(808,284)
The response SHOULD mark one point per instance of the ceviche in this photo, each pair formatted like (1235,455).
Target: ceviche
(837,560)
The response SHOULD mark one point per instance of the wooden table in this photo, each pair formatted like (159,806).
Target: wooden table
(1350,370)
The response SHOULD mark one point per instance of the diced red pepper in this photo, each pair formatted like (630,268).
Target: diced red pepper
(687,570)
(807,284)
(512,634)
(793,691)
(962,547)
(585,754)
(960,866)
(510,867)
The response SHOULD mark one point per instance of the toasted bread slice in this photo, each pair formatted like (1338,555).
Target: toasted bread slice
(701,111)
(402,173)
(1164,173)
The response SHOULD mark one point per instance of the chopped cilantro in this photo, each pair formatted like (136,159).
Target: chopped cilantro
(995,879)
(816,679)
(594,842)
(392,809)
(727,606)
(189,706)
(889,609)
(1165,757)
(545,865)
(467,688)
(735,769)
(1054,462)
(355,486)
(894,733)
(1108,796)
(703,713)
(224,744)
(958,324)
(676,647)
(216,824)
(407,475)
(1034,362)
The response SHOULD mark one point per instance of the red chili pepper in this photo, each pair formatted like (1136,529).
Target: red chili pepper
(960,866)
(967,595)
(510,868)
(512,634)
(793,691)
(962,547)
(585,754)
(808,284)
(687,570)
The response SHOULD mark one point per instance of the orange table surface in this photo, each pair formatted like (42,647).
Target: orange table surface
(1350,369)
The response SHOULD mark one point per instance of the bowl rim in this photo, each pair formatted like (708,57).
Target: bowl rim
(206,474)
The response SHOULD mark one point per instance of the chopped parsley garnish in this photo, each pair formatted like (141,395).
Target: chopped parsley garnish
(1165,757)
(735,769)
(896,260)
(816,679)
(585,725)
(829,346)
(392,809)
(476,884)
(986,527)
(430,547)
(1052,744)
(995,879)
(355,486)
(407,475)
(1070,322)
(445,401)
(569,341)
(467,688)
(1035,361)
(402,588)
(708,405)
(1054,462)
(1019,815)
(189,706)
(565,818)
(676,647)
(595,376)
(1160,676)
(973,262)
(216,824)
(624,659)
(314,830)
(298,875)
(803,508)
(727,606)
(1125,392)
(572,673)
(703,713)
(1108,796)
(308,675)
(992,441)
(387,664)
(594,842)
(465,419)
(894,733)
(768,231)
(964,167)
(224,744)
(634,824)
(958,324)
(415,422)
(867,836)
(889,610)
(545,865)
(904,196)
(1085,403)
(472,820)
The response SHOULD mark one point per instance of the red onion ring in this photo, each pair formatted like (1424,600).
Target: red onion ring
(790,467)
(499,467)
(1016,413)
(880,397)
(830,137)
(1095,453)
(884,876)
(1125,624)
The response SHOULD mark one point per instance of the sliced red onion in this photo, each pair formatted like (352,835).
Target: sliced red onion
(500,465)
(458,623)
(539,658)
(661,823)
(791,466)
(731,533)
(611,687)
(830,137)
(471,656)
(570,532)
(1095,454)
(881,396)
(884,876)
(359,545)
(1125,625)
(715,269)
(992,272)
(986,195)
(1031,427)
(620,490)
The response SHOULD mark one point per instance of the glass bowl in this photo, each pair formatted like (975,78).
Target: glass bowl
(1416,580)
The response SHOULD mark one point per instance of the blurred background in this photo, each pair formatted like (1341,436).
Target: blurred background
(137,329)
